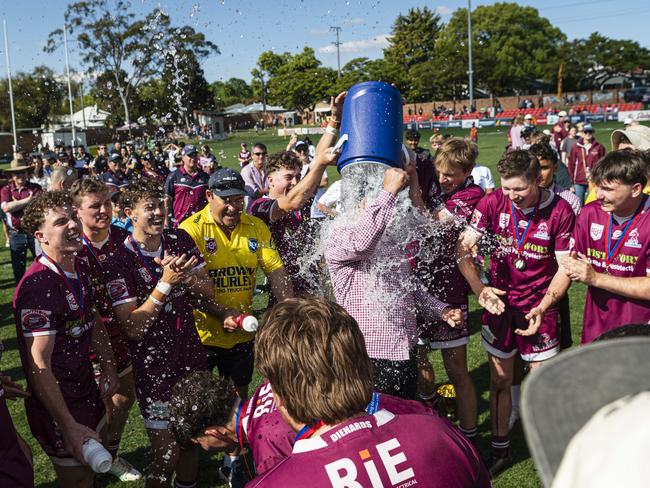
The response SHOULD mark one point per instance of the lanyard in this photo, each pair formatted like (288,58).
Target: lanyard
(150,271)
(521,241)
(307,431)
(612,253)
(88,243)
(78,298)
(239,429)
(373,406)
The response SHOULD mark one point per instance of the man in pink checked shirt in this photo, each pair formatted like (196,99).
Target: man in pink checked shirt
(369,271)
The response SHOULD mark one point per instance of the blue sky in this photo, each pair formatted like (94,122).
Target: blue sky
(245,28)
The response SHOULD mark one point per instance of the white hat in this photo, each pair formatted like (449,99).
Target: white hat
(546,132)
(561,113)
(528,117)
(638,135)
(628,121)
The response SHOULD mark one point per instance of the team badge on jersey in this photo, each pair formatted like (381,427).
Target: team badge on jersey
(504,220)
(72,302)
(144,274)
(117,289)
(542,232)
(633,240)
(31,319)
(211,245)
(252,244)
(476,218)
(596,231)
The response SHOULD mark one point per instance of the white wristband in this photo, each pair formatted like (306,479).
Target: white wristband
(331,130)
(164,287)
(158,303)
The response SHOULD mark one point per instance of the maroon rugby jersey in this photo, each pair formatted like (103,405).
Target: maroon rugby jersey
(605,310)
(380,450)
(271,439)
(294,236)
(187,193)
(171,348)
(550,233)
(96,259)
(44,305)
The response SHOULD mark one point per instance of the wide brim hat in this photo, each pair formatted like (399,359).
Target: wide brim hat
(638,135)
(18,166)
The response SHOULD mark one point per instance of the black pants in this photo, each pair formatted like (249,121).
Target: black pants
(397,378)
(564,312)
(19,243)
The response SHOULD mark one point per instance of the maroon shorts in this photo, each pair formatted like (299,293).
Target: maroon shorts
(441,335)
(48,434)
(499,338)
(15,469)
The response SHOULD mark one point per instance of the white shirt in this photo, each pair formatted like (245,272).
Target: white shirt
(483,177)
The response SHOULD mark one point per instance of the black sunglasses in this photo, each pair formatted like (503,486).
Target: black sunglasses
(260,153)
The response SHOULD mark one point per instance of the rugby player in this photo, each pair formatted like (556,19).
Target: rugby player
(153,280)
(314,355)
(454,204)
(611,242)
(532,227)
(92,201)
(57,325)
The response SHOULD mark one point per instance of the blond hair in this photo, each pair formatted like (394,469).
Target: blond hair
(457,153)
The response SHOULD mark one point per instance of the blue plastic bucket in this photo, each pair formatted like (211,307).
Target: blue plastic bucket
(373,122)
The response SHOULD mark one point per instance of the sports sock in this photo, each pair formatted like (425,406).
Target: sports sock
(500,445)
(470,433)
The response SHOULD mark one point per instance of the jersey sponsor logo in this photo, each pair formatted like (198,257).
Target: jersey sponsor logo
(233,277)
(210,245)
(72,302)
(504,220)
(391,461)
(252,244)
(76,328)
(616,235)
(476,218)
(32,318)
(144,274)
(542,232)
(633,240)
(523,224)
(596,231)
(349,429)
(117,289)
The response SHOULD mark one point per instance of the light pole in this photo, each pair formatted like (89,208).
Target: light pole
(338,48)
(67,70)
(470,71)
(11,92)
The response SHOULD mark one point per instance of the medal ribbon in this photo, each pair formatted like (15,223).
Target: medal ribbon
(521,241)
(150,271)
(612,253)
(88,243)
(78,298)
(307,431)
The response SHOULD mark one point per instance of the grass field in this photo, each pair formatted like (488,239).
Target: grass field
(135,444)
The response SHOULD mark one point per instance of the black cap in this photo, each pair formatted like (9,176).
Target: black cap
(61,156)
(226,183)
(189,149)
(115,157)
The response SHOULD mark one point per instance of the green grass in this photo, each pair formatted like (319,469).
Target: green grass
(135,444)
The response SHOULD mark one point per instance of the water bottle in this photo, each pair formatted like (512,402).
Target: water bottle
(246,322)
(97,457)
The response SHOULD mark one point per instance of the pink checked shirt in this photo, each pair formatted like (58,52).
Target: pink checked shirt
(372,280)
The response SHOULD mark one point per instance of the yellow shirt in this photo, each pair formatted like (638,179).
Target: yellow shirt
(232,265)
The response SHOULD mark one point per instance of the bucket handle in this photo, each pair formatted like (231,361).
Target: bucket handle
(338,147)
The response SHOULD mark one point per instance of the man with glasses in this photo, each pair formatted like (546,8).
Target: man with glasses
(253,174)
(186,187)
(234,245)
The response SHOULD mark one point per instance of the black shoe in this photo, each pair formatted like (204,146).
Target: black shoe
(498,464)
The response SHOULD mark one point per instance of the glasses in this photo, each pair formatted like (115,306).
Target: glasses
(260,153)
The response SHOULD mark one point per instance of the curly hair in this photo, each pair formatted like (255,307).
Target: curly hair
(282,159)
(86,186)
(543,150)
(34,215)
(142,189)
(519,163)
(314,355)
(199,401)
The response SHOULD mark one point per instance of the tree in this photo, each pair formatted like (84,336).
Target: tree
(132,50)
(234,90)
(594,59)
(39,97)
(512,47)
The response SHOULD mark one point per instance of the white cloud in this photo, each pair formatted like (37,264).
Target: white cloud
(320,32)
(442,10)
(377,42)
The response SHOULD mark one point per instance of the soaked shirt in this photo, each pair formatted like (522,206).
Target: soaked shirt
(549,234)
(382,449)
(605,310)
(170,349)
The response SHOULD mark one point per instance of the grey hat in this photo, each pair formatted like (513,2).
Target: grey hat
(588,128)
(561,397)
(115,157)
(189,149)
(226,182)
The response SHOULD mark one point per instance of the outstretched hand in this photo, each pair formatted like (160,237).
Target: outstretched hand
(490,300)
